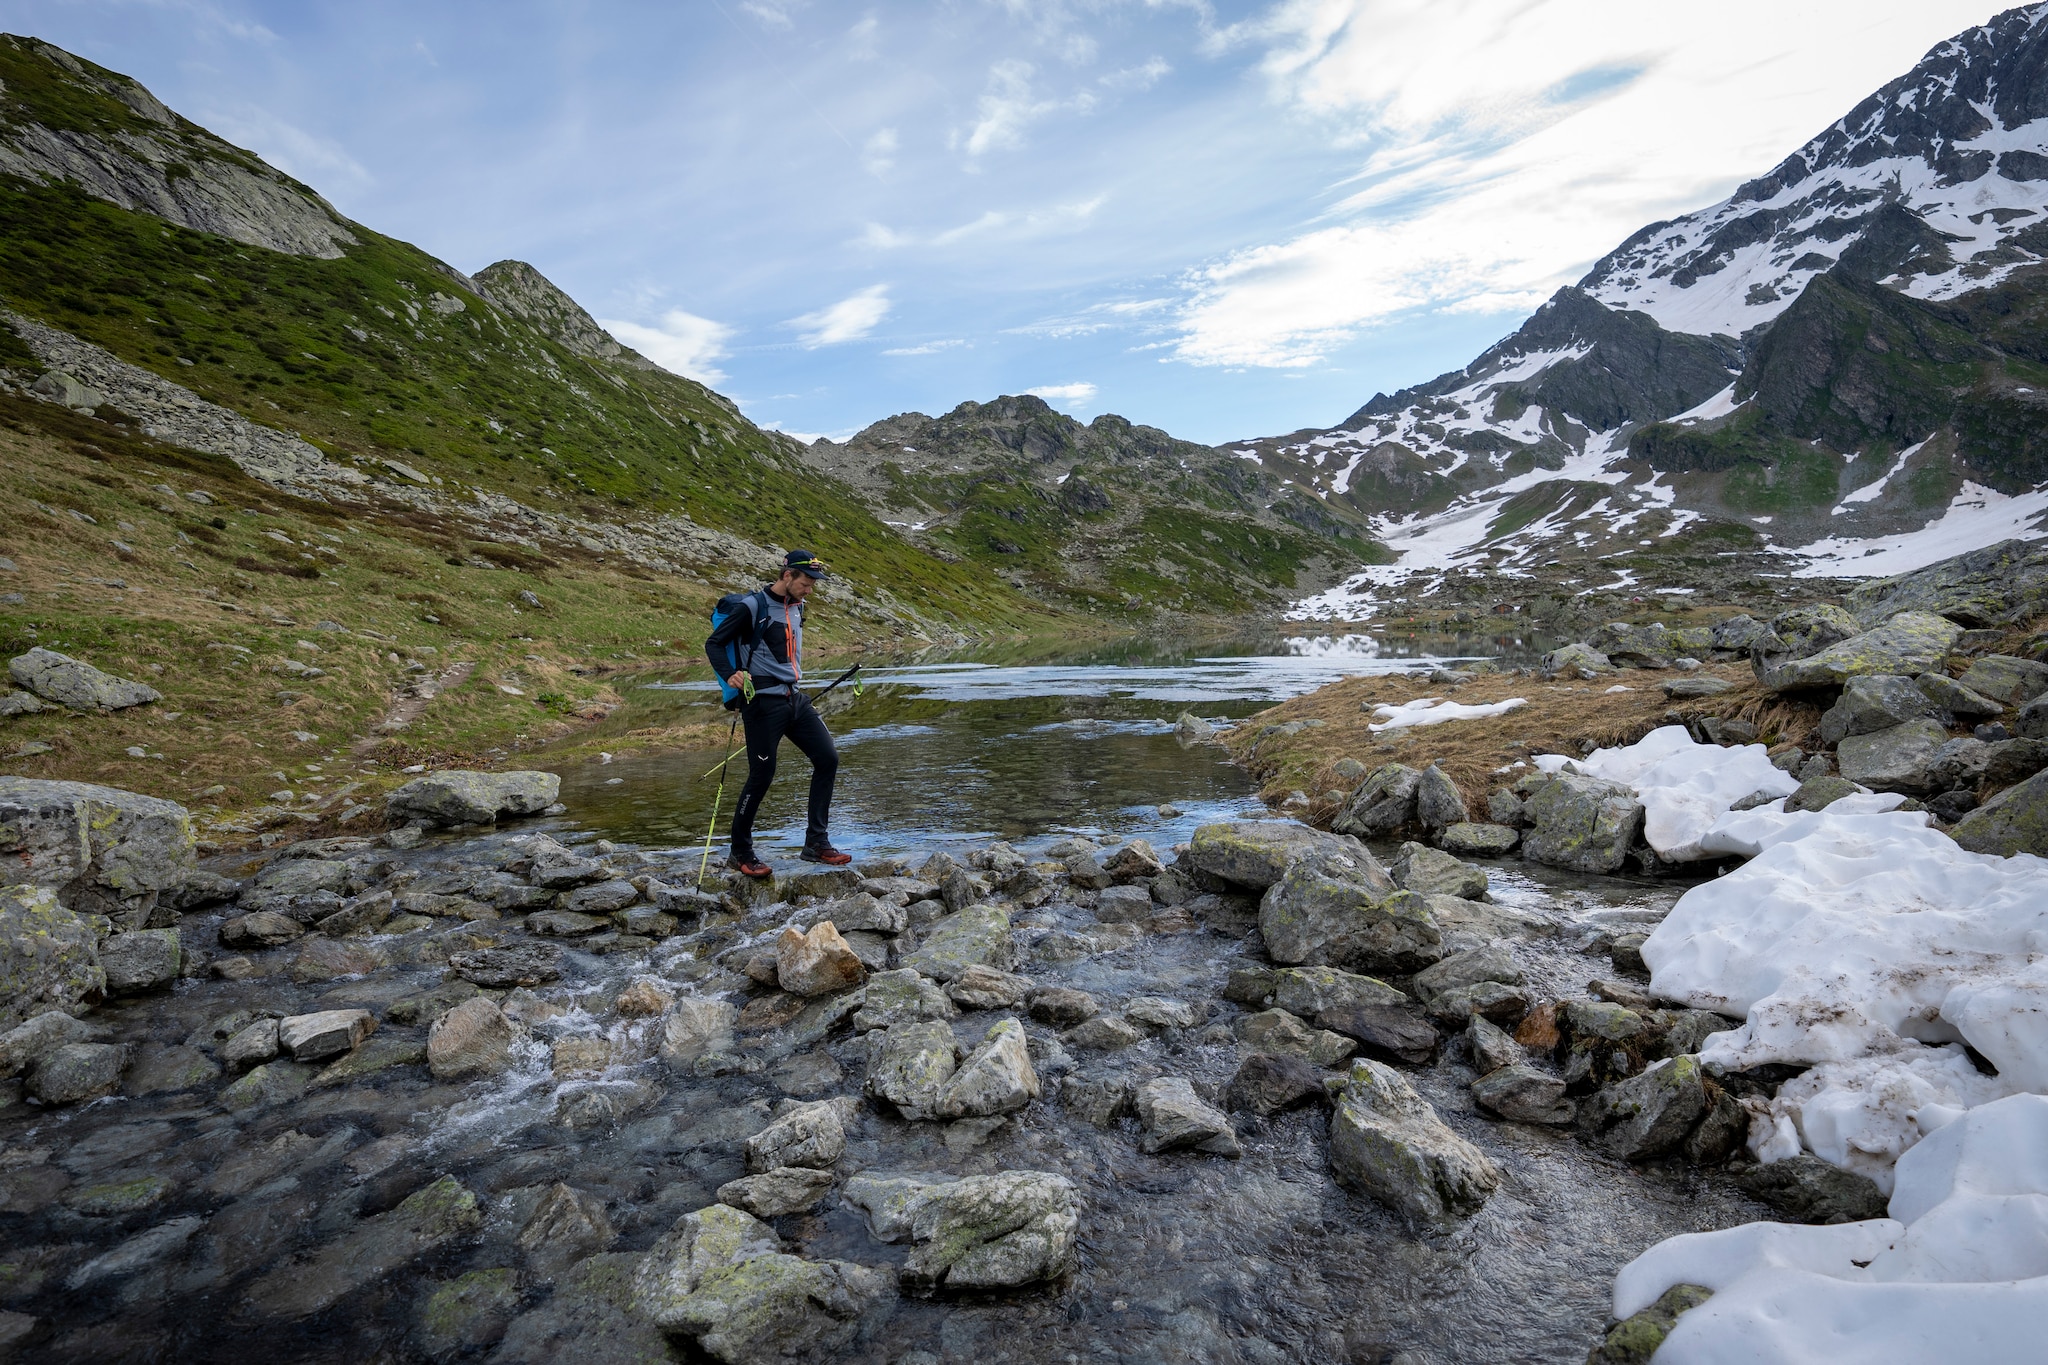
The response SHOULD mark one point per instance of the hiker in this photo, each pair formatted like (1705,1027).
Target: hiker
(757,644)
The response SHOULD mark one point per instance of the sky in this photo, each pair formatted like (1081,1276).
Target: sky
(1228,220)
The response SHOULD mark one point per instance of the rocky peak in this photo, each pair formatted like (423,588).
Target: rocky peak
(64,119)
(523,291)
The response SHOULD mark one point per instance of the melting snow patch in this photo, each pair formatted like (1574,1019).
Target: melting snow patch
(1977,517)
(1871,491)
(1958,1272)
(1430,711)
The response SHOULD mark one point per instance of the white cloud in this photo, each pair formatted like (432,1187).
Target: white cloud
(317,160)
(860,39)
(773,13)
(928,348)
(1011,224)
(878,153)
(850,319)
(1008,106)
(1142,77)
(1506,147)
(682,343)
(1074,396)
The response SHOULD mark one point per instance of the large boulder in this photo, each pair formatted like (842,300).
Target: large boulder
(75,1072)
(49,956)
(1579,660)
(720,1277)
(69,682)
(459,797)
(106,851)
(1383,802)
(2005,678)
(1438,802)
(1898,759)
(1257,853)
(1802,631)
(1422,869)
(978,936)
(473,1039)
(909,1065)
(1581,823)
(1877,702)
(803,1135)
(1173,1117)
(1911,642)
(2014,821)
(996,1078)
(1387,1141)
(1648,1114)
(816,963)
(1340,910)
(1994,586)
(981,1232)
(145,960)
(904,997)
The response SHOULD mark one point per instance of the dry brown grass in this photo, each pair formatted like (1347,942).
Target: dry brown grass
(1562,716)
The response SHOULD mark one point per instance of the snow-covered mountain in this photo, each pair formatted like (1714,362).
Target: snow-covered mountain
(1845,361)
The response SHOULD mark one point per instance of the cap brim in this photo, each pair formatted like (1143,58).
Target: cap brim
(810,570)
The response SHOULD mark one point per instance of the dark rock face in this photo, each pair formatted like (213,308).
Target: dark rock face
(1806,1189)
(1993,586)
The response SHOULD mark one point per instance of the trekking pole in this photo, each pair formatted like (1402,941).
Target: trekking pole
(819,695)
(712,828)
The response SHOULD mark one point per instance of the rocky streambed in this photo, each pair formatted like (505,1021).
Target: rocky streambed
(502,1094)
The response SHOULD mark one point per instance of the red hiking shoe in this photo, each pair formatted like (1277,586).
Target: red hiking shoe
(827,855)
(750,867)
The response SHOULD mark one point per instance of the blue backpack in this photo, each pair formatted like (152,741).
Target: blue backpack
(756,604)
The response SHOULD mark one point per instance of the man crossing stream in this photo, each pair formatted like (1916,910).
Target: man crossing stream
(756,647)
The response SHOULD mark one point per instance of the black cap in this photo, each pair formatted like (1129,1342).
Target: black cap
(804,562)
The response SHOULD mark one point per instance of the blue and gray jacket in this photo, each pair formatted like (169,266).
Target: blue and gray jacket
(777,664)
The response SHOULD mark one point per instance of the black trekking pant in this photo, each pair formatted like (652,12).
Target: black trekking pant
(770,718)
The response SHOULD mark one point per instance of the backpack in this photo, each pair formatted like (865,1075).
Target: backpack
(730,696)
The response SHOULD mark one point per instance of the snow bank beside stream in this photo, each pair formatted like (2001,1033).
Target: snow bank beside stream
(1684,786)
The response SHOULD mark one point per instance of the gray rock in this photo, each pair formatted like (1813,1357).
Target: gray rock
(978,936)
(251,1046)
(993,1231)
(695,1027)
(1336,909)
(459,797)
(1470,840)
(1952,698)
(1380,805)
(1062,1006)
(1135,860)
(286,881)
(1384,1031)
(1099,1098)
(2007,679)
(960,888)
(1808,1190)
(566,1226)
(774,1194)
(144,960)
(74,1072)
(1104,1033)
(1802,631)
(909,1065)
(27,1043)
(49,956)
(1278,1031)
(470,1314)
(1468,968)
(1693,688)
(473,1039)
(1582,823)
(1736,633)
(1438,803)
(1387,1141)
(1818,793)
(311,1037)
(19,704)
(600,898)
(861,912)
(74,684)
(521,964)
(1524,1094)
(263,929)
(803,1135)
(996,1078)
(1897,759)
(2014,821)
(1270,1083)
(1174,1117)
(2032,721)
(1909,643)
(1257,853)
(2007,761)
(904,997)
(984,988)
(1083,871)
(1877,702)
(1428,872)
(1648,1114)
(827,882)
(266,1086)
(1996,585)
(1495,1000)
(1491,1047)
(105,851)
(426,1221)
(1308,991)
(1124,905)
(1158,1012)
(1575,661)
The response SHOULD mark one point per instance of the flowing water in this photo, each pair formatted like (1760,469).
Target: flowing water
(162,1224)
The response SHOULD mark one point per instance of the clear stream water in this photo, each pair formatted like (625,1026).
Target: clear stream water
(1184,1257)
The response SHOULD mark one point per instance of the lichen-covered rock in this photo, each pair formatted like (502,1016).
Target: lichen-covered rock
(1270,1083)
(1818,793)
(144,960)
(26,1043)
(1387,1141)
(1278,1031)
(1581,823)
(49,956)
(288,881)
(1802,631)
(802,1135)
(2007,679)
(905,997)
(74,1072)
(459,797)
(2014,821)
(996,1078)
(1524,1094)
(262,929)
(1575,661)
(1308,991)
(520,964)
(1430,872)
(978,936)
(1636,1339)
(1808,1190)
(1339,910)
(1994,586)
(984,988)
(1648,1114)
(473,1039)
(774,1194)
(816,963)
(1954,699)
(1898,759)
(567,1225)
(427,1220)
(1471,840)
(993,1231)
(311,1037)
(1468,968)
(73,683)
(1384,1031)
(1908,643)
(1381,804)
(106,851)
(1173,1117)
(861,912)
(909,1065)
(1876,702)
(1438,802)
(1257,853)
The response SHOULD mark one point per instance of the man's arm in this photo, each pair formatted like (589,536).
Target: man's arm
(737,627)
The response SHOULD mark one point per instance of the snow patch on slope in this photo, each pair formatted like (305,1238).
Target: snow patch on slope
(1976,517)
